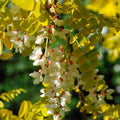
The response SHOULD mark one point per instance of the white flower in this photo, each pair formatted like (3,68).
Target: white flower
(18,45)
(51,1)
(52,9)
(28,39)
(40,39)
(68,82)
(27,42)
(56,117)
(54,32)
(50,111)
(63,109)
(37,53)
(73,70)
(38,77)
(17,42)
(43,92)
(65,98)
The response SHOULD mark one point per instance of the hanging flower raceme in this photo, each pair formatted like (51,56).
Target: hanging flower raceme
(60,73)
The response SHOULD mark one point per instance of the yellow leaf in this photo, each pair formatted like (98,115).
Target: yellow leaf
(76,89)
(72,40)
(45,23)
(43,1)
(116,113)
(107,117)
(12,95)
(44,84)
(24,24)
(7,96)
(6,56)
(4,98)
(25,105)
(16,25)
(94,62)
(29,116)
(33,27)
(37,117)
(105,107)
(24,4)
(1,104)
(1,46)
(14,117)
(7,43)
(82,59)
(37,9)
(77,52)
(5,114)
(44,111)
(3,3)
(78,104)
(94,115)
(93,55)
(85,67)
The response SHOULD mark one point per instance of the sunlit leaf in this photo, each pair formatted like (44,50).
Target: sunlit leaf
(82,59)
(24,107)
(6,56)
(7,43)
(1,104)
(3,3)
(16,25)
(85,67)
(44,111)
(24,4)
(37,11)
(1,46)
(33,27)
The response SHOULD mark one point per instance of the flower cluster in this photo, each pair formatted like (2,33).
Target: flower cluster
(58,72)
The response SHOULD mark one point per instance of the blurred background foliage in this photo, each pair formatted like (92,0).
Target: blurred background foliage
(14,73)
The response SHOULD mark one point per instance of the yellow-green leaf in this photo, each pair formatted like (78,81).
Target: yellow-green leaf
(25,106)
(78,104)
(16,24)
(33,27)
(37,117)
(94,62)
(45,23)
(105,107)
(1,46)
(24,4)
(37,9)
(82,59)
(44,84)
(7,43)
(26,23)
(44,111)
(93,55)
(72,40)
(26,52)
(1,104)
(6,56)
(85,67)
(3,3)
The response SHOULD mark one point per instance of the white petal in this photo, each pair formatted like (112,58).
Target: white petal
(50,111)
(39,40)
(33,57)
(35,74)
(36,63)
